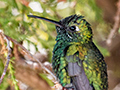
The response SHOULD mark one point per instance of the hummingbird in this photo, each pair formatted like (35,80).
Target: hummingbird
(76,61)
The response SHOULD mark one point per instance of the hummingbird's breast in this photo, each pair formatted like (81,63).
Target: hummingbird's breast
(60,64)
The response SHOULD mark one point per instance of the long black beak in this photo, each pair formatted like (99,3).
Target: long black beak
(45,19)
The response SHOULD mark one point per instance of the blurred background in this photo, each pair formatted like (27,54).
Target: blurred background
(38,37)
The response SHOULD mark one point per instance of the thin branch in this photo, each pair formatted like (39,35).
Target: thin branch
(116,25)
(31,56)
(8,57)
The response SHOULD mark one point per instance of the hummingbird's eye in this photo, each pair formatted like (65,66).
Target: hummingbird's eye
(74,28)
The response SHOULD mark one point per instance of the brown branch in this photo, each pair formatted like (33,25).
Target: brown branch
(31,56)
(19,74)
(8,56)
(115,27)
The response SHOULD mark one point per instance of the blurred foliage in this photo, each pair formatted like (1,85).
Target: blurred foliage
(15,23)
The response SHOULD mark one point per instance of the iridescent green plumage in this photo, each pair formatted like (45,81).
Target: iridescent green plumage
(76,60)
(78,42)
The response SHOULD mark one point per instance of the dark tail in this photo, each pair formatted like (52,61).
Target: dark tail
(77,73)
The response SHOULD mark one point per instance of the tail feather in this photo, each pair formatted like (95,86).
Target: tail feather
(77,73)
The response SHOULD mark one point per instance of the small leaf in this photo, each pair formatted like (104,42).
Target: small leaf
(44,76)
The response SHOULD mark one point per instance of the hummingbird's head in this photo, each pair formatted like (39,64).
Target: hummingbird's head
(75,29)
(71,29)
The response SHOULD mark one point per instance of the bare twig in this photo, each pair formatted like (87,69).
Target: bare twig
(31,56)
(116,25)
(8,56)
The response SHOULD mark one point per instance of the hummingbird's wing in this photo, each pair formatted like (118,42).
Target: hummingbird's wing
(76,72)
(95,68)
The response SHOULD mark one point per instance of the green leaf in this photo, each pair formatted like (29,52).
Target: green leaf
(44,76)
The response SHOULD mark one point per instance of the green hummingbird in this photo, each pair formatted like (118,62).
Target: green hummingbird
(76,61)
